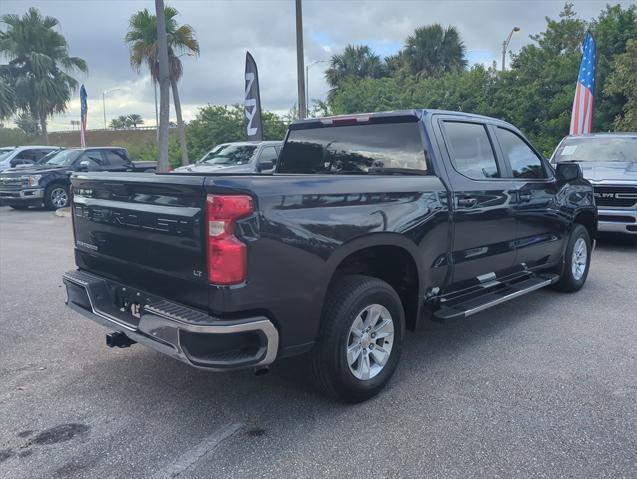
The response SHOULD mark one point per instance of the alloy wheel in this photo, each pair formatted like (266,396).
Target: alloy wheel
(59,197)
(370,341)
(578,261)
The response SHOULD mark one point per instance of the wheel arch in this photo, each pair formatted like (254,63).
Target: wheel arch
(588,219)
(387,256)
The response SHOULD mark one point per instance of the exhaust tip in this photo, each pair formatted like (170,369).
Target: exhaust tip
(262,371)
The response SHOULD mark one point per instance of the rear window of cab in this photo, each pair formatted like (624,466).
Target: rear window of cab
(353,149)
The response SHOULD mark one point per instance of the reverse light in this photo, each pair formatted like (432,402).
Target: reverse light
(227,255)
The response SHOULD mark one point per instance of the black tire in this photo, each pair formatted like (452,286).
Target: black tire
(345,301)
(51,201)
(19,207)
(569,281)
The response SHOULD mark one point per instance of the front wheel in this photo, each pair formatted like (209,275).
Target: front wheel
(56,196)
(360,339)
(577,261)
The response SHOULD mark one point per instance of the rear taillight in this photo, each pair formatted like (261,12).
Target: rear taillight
(227,255)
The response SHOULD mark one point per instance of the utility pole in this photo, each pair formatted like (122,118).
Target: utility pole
(299,60)
(164,85)
(156,111)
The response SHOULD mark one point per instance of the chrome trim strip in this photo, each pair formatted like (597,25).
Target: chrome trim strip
(503,299)
(185,211)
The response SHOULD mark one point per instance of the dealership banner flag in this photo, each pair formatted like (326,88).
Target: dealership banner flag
(252,105)
(83,112)
(582,115)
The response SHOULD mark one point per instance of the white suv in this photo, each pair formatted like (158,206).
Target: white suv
(23,155)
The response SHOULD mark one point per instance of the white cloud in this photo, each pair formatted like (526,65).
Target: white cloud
(95,32)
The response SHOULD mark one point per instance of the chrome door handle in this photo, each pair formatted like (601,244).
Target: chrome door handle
(467,202)
(525,196)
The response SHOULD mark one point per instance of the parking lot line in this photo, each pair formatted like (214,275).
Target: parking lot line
(190,457)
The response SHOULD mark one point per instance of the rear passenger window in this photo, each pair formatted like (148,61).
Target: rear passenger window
(524,162)
(471,151)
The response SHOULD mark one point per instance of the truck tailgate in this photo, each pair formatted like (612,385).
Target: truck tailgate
(143,230)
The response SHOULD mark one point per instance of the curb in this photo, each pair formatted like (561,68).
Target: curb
(63,212)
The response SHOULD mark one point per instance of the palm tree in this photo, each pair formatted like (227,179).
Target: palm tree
(39,68)
(434,50)
(142,38)
(7,100)
(355,62)
(135,120)
(121,122)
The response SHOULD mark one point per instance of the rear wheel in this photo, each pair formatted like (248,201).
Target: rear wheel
(577,261)
(360,339)
(56,196)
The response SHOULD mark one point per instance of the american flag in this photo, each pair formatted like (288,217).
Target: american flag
(84,110)
(582,115)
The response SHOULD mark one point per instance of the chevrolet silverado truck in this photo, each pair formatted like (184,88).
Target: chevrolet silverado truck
(609,162)
(371,225)
(49,182)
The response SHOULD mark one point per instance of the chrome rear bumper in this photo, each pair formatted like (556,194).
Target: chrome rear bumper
(183,333)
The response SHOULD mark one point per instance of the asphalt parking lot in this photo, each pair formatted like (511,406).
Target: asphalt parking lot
(545,386)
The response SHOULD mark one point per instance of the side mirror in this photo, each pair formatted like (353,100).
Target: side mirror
(82,166)
(266,165)
(567,172)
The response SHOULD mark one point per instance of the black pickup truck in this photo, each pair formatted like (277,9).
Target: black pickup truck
(49,181)
(371,225)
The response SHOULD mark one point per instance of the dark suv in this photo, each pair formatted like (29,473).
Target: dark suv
(49,182)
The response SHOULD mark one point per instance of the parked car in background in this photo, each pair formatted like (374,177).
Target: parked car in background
(238,157)
(609,162)
(370,225)
(49,182)
(23,155)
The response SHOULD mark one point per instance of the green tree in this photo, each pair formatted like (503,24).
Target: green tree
(121,122)
(623,81)
(356,61)
(135,120)
(142,39)
(7,100)
(612,29)
(39,65)
(27,124)
(433,50)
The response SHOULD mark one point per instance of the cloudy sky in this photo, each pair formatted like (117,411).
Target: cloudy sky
(95,30)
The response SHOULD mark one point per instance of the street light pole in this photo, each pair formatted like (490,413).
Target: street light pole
(299,61)
(505,45)
(307,79)
(104,101)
